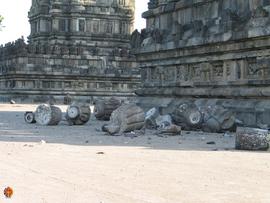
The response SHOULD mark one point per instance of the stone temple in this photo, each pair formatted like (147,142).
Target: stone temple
(204,51)
(76,47)
(208,51)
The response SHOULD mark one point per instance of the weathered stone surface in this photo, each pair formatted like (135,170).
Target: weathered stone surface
(205,23)
(207,49)
(48,115)
(76,47)
(188,116)
(150,118)
(163,121)
(170,130)
(104,108)
(127,118)
(218,119)
(78,114)
(252,139)
(29,117)
(67,99)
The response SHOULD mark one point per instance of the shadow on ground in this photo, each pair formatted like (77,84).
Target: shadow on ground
(14,129)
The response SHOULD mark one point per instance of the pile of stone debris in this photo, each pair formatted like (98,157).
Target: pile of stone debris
(126,117)
(76,114)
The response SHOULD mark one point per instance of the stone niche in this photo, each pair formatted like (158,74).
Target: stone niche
(206,49)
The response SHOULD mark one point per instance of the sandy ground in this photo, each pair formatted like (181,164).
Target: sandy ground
(80,164)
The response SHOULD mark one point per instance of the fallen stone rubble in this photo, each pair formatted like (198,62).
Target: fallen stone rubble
(188,116)
(29,117)
(48,114)
(252,139)
(170,130)
(78,114)
(128,119)
(208,118)
(104,108)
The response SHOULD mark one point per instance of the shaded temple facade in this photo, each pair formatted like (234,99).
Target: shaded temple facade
(214,51)
(80,47)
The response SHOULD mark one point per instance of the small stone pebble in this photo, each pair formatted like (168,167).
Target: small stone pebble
(100,153)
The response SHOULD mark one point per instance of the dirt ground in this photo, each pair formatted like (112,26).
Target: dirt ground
(80,164)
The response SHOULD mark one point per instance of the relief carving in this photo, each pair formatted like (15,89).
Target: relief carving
(155,74)
(205,71)
(195,72)
(217,69)
(182,73)
(254,70)
(65,50)
(169,75)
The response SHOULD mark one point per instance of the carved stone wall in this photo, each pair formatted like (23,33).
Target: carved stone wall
(108,23)
(79,47)
(206,49)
